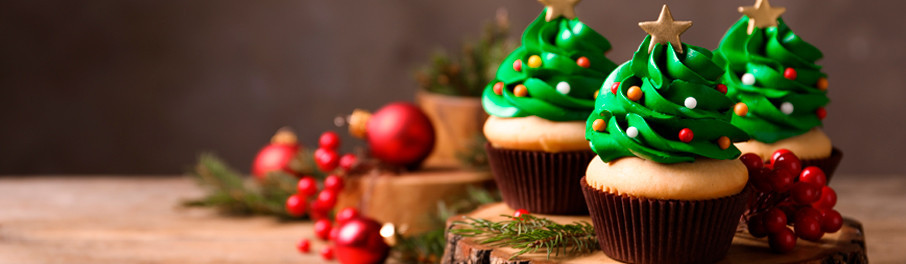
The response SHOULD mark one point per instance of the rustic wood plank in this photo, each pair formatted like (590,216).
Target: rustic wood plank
(844,246)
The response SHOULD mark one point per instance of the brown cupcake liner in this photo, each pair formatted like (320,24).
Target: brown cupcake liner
(828,165)
(641,230)
(540,182)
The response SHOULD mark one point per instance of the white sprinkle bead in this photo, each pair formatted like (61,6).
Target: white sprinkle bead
(690,102)
(748,79)
(591,145)
(632,132)
(563,87)
(786,108)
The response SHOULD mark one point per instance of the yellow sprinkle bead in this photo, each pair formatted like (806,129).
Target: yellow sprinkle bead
(534,61)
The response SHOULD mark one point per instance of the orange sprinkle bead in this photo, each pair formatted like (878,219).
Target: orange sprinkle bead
(596,93)
(634,93)
(599,125)
(822,84)
(741,109)
(723,142)
(583,62)
(498,88)
(520,91)
(534,61)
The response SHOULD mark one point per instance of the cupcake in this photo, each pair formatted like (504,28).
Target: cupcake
(537,103)
(666,185)
(780,91)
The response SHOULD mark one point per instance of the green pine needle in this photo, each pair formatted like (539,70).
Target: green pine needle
(531,234)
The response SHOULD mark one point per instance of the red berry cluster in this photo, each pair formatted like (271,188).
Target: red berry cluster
(328,231)
(789,195)
(326,156)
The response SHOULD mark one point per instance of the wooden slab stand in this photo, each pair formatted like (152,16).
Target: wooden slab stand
(844,246)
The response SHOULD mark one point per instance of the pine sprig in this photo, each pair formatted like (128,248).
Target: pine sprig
(531,234)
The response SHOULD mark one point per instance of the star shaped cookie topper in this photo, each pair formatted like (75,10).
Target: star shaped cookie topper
(761,14)
(556,8)
(665,30)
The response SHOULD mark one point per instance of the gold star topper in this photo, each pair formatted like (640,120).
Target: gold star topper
(665,30)
(761,14)
(556,8)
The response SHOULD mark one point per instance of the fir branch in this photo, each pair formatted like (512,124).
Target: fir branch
(531,234)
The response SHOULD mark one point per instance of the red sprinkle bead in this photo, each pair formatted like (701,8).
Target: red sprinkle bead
(722,88)
(498,88)
(614,87)
(821,113)
(789,73)
(517,65)
(583,62)
(686,135)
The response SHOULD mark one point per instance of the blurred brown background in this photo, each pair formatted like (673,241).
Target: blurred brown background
(140,87)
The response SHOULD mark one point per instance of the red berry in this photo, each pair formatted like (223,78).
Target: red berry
(322,229)
(347,214)
(329,140)
(805,193)
(756,226)
(777,153)
(752,161)
(347,161)
(807,212)
(774,220)
(781,180)
(318,210)
(327,253)
(722,88)
(827,200)
(761,179)
(520,212)
(517,65)
(327,198)
(295,205)
(821,113)
(783,241)
(789,73)
(812,174)
(304,245)
(614,87)
(788,161)
(809,229)
(326,159)
(686,135)
(307,186)
(831,221)
(333,183)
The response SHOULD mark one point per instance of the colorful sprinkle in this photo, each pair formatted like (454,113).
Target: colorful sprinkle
(517,65)
(614,87)
(748,79)
(498,88)
(822,84)
(632,132)
(534,61)
(563,87)
(599,125)
(723,142)
(583,62)
(520,90)
(789,73)
(634,93)
(686,135)
(690,102)
(786,108)
(596,93)
(741,109)
(722,88)
(821,113)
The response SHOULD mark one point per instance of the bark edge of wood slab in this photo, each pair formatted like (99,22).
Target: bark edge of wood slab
(845,246)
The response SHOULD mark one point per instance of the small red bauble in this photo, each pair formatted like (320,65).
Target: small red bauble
(304,246)
(307,186)
(398,134)
(827,200)
(348,161)
(327,253)
(805,193)
(783,241)
(614,87)
(722,88)
(326,159)
(812,174)
(327,198)
(276,156)
(821,113)
(517,65)
(295,205)
(329,140)
(583,62)
(347,214)
(360,242)
(831,221)
(686,135)
(333,183)
(520,212)
(789,73)
(322,229)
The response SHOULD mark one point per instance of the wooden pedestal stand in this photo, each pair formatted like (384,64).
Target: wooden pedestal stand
(845,246)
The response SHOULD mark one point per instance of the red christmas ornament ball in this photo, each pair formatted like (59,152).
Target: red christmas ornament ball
(400,134)
(277,155)
(360,242)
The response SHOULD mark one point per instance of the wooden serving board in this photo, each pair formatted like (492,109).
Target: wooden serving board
(844,246)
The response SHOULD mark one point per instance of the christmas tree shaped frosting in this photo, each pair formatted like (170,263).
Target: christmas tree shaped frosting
(666,104)
(772,74)
(556,71)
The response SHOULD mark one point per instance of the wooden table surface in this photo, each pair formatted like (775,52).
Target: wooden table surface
(105,219)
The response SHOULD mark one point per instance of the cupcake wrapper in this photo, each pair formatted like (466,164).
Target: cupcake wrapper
(540,182)
(828,165)
(640,230)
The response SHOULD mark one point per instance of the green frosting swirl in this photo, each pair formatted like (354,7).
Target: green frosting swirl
(766,54)
(667,79)
(559,43)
